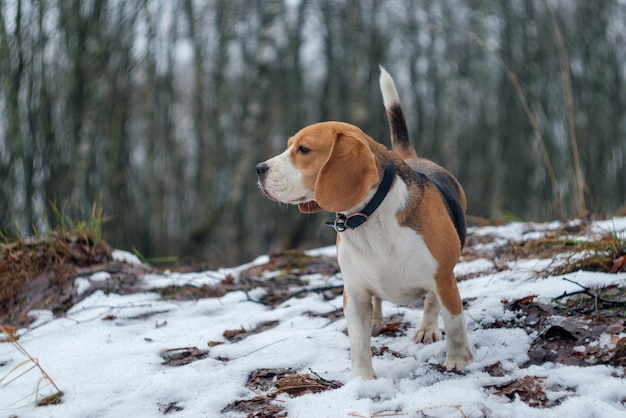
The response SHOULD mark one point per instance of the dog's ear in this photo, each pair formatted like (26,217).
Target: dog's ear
(309,207)
(347,175)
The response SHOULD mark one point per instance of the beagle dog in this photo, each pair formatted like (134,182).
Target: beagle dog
(400,222)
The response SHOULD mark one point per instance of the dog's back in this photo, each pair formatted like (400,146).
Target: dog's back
(447,184)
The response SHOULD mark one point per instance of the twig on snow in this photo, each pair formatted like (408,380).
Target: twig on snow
(587,291)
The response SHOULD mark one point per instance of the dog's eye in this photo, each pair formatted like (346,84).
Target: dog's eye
(303,150)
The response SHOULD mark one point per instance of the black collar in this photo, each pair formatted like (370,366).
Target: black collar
(343,222)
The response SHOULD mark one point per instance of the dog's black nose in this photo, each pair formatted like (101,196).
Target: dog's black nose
(261,169)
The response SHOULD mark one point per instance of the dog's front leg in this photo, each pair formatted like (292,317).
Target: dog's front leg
(429,332)
(358,311)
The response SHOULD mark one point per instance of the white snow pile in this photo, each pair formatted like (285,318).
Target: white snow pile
(276,345)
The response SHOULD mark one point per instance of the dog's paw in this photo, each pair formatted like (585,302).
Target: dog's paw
(458,363)
(427,335)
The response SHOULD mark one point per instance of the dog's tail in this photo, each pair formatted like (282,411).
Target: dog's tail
(400,141)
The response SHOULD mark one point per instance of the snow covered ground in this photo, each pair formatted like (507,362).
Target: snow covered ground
(107,353)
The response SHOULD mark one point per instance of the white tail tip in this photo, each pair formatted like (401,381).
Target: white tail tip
(388,88)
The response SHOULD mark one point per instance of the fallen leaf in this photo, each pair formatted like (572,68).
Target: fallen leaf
(231,334)
(384,349)
(528,388)
(614,328)
(181,356)
(257,407)
(391,329)
(619,264)
(298,384)
(272,382)
(53,399)
(619,356)
(526,300)
(495,370)
(240,334)
(229,280)
(264,380)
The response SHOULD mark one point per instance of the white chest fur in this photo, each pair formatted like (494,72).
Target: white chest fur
(385,259)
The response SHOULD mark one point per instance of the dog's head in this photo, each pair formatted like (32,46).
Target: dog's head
(328,165)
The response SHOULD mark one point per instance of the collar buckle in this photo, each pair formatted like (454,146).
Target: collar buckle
(339,224)
(343,222)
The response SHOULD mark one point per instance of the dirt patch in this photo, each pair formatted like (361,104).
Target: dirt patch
(565,336)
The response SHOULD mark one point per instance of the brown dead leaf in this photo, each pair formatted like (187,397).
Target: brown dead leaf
(384,349)
(392,327)
(231,334)
(526,300)
(269,383)
(264,380)
(240,334)
(619,264)
(257,407)
(528,389)
(615,328)
(229,280)
(495,370)
(272,382)
(619,356)
(298,384)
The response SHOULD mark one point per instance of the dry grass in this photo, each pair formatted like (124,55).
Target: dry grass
(45,383)
(606,253)
(39,271)
(28,266)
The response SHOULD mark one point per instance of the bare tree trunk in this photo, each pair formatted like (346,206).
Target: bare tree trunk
(12,73)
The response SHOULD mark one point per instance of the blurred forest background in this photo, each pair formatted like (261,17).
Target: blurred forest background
(157,111)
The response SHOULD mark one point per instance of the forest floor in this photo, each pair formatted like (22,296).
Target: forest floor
(87,331)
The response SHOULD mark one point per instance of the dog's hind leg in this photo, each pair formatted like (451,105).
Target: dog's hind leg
(458,352)
(377,311)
